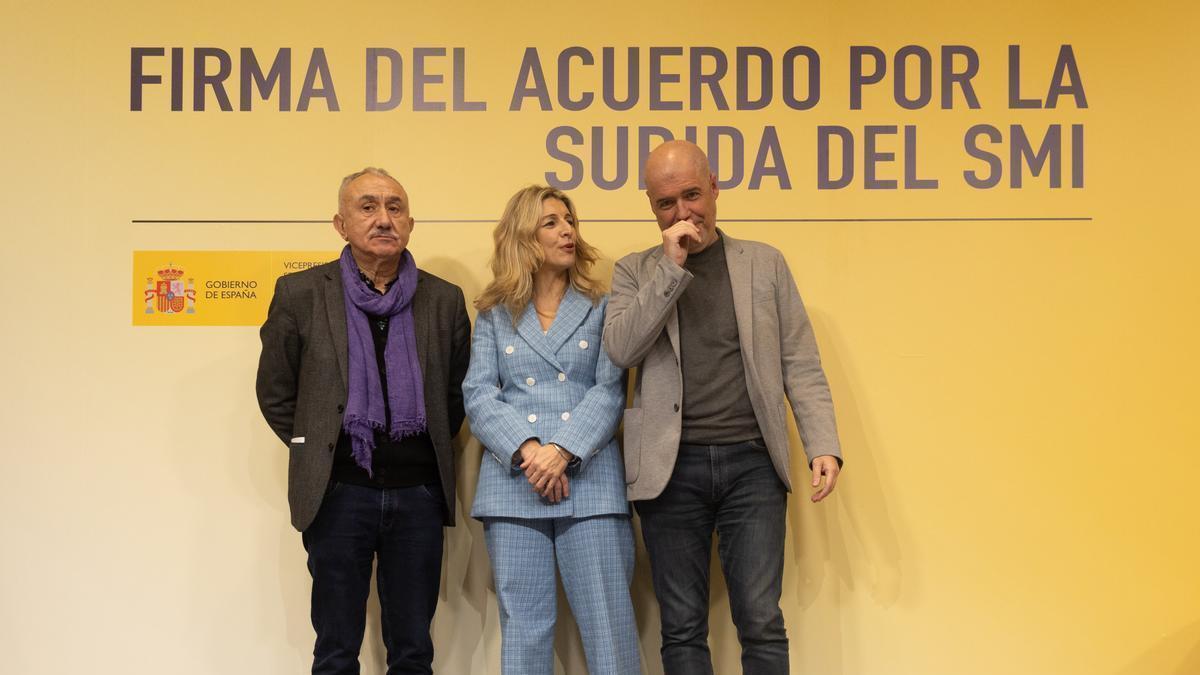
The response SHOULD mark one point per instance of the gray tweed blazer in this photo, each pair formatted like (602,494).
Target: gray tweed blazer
(302,380)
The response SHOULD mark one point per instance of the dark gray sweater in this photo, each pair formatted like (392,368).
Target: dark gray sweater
(716,405)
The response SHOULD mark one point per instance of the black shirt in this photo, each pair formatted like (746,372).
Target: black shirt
(404,463)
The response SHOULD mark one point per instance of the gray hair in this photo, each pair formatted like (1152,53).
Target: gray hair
(373,170)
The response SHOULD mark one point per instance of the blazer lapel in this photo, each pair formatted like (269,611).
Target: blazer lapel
(335,309)
(741,276)
(530,330)
(571,312)
(421,323)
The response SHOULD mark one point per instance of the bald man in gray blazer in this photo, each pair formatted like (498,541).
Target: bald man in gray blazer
(719,335)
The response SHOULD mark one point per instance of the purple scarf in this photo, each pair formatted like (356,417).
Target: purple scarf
(365,410)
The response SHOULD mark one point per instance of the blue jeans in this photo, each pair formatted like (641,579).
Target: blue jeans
(403,526)
(733,489)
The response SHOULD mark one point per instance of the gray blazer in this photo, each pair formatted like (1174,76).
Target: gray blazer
(778,351)
(302,379)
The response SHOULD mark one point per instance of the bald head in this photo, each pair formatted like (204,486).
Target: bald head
(674,158)
(681,187)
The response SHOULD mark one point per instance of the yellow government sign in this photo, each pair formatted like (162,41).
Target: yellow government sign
(211,288)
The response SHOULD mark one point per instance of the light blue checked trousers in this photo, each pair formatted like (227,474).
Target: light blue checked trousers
(595,557)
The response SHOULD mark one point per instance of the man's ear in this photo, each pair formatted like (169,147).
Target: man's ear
(340,226)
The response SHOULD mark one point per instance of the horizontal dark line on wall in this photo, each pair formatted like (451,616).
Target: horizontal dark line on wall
(963,219)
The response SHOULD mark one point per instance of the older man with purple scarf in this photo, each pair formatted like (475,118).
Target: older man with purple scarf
(361,376)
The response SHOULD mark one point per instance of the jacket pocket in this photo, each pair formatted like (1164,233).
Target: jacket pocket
(632,444)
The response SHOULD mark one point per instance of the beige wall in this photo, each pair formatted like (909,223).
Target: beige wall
(1016,399)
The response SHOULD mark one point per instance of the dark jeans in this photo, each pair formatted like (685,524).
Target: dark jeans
(403,526)
(734,490)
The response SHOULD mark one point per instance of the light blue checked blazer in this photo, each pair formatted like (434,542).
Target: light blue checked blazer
(557,387)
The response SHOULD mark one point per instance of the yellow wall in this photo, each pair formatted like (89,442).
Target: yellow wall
(1016,399)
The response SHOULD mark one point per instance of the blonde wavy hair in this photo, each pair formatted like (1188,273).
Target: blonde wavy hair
(517,254)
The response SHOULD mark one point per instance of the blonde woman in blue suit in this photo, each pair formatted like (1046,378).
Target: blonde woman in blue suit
(544,400)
